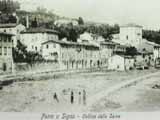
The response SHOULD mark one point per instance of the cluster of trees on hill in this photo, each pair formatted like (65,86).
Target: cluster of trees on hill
(20,54)
(72,32)
(9,6)
(5,18)
(41,17)
(44,17)
(151,35)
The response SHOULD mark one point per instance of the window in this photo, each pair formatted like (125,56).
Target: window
(143,56)
(0,50)
(9,40)
(54,45)
(36,48)
(5,40)
(4,30)
(5,50)
(138,34)
(47,46)
(62,55)
(9,51)
(127,37)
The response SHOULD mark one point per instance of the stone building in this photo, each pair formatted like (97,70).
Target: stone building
(130,35)
(107,50)
(6,59)
(71,55)
(13,28)
(34,37)
(60,22)
(121,63)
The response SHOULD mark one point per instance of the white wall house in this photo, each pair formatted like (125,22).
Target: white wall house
(51,50)
(156,52)
(131,34)
(6,59)
(71,55)
(106,51)
(120,63)
(85,38)
(34,37)
(60,22)
(14,29)
(90,38)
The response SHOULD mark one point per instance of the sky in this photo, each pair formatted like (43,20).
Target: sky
(142,12)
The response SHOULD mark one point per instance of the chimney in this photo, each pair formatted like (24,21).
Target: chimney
(27,21)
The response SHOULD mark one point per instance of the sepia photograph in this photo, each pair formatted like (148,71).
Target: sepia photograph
(79,56)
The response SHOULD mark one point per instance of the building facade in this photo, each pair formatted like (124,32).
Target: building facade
(60,22)
(121,63)
(107,50)
(6,59)
(14,29)
(156,52)
(34,37)
(131,34)
(71,55)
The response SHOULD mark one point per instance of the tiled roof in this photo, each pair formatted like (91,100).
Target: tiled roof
(7,34)
(109,43)
(70,43)
(39,30)
(8,25)
(131,25)
(152,43)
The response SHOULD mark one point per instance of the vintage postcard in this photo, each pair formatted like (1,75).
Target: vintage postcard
(79,59)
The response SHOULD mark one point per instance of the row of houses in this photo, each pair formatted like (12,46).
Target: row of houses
(88,52)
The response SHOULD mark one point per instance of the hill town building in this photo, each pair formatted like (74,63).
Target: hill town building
(6,59)
(13,28)
(71,55)
(130,35)
(34,37)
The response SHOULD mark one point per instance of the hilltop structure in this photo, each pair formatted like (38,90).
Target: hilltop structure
(130,35)
(34,37)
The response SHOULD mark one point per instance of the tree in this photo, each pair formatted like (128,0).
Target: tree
(20,54)
(32,57)
(34,23)
(9,6)
(12,19)
(104,30)
(132,51)
(80,21)
(151,35)
(73,35)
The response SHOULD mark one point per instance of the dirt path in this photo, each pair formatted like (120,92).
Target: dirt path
(37,96)
(134,95)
